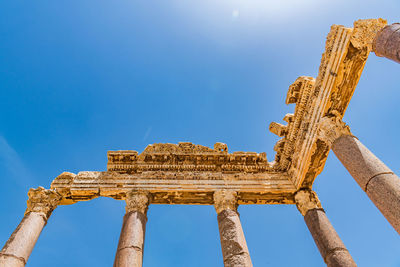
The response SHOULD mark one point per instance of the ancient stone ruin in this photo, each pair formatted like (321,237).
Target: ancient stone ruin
(186,173)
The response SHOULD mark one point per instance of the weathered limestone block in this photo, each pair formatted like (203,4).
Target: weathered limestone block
(18,248)
(387,42)
(300,153)
(331,247)
(233,242)
(131,241)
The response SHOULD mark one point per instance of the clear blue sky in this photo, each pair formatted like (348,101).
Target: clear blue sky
(79,78)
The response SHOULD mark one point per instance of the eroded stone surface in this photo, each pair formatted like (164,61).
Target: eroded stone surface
(346,52)
(42,200)
(131,241)
(307,200)
(137,201)
(233,242)
(19,246)
(387,42)
(331,247)
(331,128)
(225,200)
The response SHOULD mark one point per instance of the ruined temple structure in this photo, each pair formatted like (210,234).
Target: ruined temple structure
(191,174)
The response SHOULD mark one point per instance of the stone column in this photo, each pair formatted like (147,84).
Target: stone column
(372,175)
(387,42)
(18,248)
(131,241)
(233,242)
(331,247)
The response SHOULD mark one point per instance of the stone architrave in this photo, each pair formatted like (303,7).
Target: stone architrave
(233,242)
(387,42)
(18,248)
(131,241)
(372,175)
(331,247)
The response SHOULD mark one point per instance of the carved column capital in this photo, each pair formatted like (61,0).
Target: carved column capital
(42,200)
(225,200)
(331,128)
(137,201)
(306,200)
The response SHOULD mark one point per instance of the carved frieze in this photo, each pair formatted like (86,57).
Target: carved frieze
(186,156)
(301,152)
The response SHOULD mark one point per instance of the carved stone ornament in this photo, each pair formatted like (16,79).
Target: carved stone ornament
(365,31)
(225,200)
(307,200)
(42,200)
(331,128)
(137,201)
(186,156)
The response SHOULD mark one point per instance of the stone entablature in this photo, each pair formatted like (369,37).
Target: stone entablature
(300,152)
(186,156)
(171,187)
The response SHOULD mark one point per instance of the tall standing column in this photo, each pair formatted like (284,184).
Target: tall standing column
(372,175)
(387,42)
(131,241)
(18,248)
(331,247)
(233,242)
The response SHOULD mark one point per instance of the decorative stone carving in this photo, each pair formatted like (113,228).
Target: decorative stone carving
(365,31)
(137,201)
(331,128)
(300,152)
(225,200)
(306,200)
(42,200)
(186,157)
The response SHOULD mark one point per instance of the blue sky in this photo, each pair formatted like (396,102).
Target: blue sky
(78,78)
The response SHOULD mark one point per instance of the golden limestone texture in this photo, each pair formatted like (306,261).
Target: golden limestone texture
(186,173)
(182,173)
(302,151)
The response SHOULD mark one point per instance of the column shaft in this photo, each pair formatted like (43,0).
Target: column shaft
(330,245)
(387,42)
(233,242)
(19,246)
(22,241)
(373,176)
(131,241)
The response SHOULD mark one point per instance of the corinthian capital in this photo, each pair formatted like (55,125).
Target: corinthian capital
(306,200)
(331,128)
(225,200)
(42,200)
(137,201)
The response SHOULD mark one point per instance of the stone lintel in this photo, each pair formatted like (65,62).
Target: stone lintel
(179,187)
